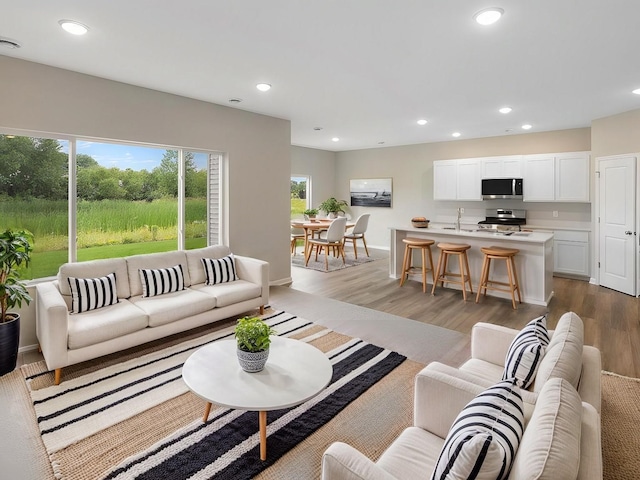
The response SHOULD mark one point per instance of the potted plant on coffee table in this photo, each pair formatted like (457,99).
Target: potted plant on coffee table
(252,336)
(333,206)
(15,251)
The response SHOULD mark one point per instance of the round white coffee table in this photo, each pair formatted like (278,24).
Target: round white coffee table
(294,373)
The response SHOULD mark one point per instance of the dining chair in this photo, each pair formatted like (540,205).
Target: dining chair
(297,233)
(334,239)
(358,231)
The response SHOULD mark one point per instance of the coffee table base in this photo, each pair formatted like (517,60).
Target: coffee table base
(262,422)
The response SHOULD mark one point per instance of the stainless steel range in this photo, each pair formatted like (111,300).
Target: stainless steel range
(504,219)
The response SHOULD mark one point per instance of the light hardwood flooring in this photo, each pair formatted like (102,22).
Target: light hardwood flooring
(611,319)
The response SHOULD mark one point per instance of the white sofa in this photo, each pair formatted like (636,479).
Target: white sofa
(69,338)
(566,357)
(561,439)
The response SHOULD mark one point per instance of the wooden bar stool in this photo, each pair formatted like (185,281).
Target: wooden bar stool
(425,247)
(508,255)
(459,249)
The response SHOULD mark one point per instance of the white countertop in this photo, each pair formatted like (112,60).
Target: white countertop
(474,232)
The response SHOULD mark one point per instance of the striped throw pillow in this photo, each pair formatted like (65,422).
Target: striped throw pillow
(161,280)
(219,270)
(526,351)
(92,293)
(484,438)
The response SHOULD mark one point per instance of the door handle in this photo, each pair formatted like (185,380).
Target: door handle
(628,232)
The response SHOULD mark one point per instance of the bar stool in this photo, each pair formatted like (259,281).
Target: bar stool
(459,249)
(500,253)
(425,247)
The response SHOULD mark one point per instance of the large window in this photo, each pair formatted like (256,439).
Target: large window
(124,199)
(299,195)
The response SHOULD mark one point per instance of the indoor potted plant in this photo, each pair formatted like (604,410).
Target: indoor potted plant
(333,206)
(310,213)
(15,251)
(252,336)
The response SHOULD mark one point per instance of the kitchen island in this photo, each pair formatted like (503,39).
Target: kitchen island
(534,263)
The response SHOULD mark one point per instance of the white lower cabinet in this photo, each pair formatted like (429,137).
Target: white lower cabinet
(571,252)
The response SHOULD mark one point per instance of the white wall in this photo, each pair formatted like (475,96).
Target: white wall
(35,97)
(411,168)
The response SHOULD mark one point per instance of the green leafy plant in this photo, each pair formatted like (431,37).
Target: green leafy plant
(252,334)
(310,212)
(15,250)
(333,205)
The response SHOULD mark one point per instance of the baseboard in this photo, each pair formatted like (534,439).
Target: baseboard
(28,348)
(282,282)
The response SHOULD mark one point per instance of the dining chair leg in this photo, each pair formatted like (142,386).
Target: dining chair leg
(364,242)
(355,248)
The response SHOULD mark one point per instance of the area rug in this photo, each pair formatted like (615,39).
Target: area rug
(335,263)
(137,419)
(620,419)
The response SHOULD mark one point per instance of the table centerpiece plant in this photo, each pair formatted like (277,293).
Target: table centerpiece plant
(15,251)
(332,206)
(310,214)
(253,340)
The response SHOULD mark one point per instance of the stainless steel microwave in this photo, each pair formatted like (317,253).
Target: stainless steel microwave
(493,188)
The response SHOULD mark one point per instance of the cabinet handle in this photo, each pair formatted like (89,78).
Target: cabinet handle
(628,232)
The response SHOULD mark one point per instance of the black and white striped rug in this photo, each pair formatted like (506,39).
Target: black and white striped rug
(138,419)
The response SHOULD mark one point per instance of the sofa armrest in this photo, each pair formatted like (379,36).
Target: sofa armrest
(343,462)
(439,398)
(590,445)
(589,387)
(52,324)
(254,271)
(490,342)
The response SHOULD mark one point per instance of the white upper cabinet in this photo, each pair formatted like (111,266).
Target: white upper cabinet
(538,179)
(502,167)
(457,179)
(572,177)
(445,180)
(469,180)
(560,177)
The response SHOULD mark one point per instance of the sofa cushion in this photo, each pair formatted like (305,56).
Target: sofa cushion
(92,293)
(219,270)
(526,351)
(230,293)
(194,262)
(158,281)
(96,326)
(154,260)
(174,306)
(412,454)
(92,269)
(550,447)
(484,437)
(563,357)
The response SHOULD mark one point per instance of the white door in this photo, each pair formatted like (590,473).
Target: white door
(617,223)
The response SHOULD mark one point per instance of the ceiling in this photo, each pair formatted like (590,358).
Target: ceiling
(363,70)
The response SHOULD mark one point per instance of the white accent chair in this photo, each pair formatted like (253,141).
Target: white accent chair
(358,231)
(334,239)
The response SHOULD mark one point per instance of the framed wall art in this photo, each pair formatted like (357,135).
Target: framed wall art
(370,192)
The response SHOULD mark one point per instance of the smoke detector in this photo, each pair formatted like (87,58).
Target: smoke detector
(8,43)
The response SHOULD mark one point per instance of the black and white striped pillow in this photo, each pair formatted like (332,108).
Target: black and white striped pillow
(485,436)
(161,280)
(92,293)
(219,270)
(526,351)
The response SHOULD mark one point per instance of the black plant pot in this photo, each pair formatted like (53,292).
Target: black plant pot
(9,340)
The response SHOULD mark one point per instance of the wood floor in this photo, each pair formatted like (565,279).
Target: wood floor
(611,319)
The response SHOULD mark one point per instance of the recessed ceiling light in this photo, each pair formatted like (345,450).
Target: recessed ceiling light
(422,121)
(456,134)
(8,43)
(335,139)
(505,110)
(636,91)
(526,126)
(488,16)
(73,27)
(263,87)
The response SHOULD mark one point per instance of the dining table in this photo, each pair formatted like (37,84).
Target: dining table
(311,227)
